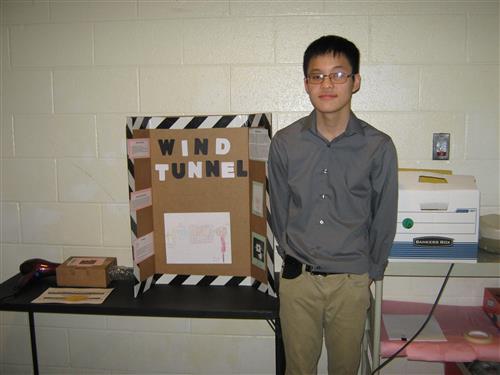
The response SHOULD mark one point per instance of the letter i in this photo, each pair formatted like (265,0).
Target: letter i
(184,145)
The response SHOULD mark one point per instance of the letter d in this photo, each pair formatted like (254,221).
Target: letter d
(222,146)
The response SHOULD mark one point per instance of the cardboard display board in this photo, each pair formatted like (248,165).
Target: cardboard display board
(198,200)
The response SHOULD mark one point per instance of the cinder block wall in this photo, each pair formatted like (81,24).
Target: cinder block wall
(71,71)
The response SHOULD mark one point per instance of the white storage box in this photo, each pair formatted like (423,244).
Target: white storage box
(438,217)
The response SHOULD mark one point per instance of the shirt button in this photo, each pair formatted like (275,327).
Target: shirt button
(322,222)
(324,171)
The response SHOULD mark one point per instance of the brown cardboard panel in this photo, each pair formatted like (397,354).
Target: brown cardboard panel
(144,221)
(142,174)
(147,268)
(193,174)
(181,150)
(179,192)
(227,200)
(141,133)
(257,223)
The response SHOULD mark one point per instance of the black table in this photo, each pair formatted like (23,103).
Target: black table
(159,301)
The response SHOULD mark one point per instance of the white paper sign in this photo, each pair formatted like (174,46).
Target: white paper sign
(143,248)
(258,198)
(93,296)
(198,238)
(259,144)
(141,199)
(138,148)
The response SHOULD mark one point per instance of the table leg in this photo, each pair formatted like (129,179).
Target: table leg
(279,349)
(34,354)
(376,324)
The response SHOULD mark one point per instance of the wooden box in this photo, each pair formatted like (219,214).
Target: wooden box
(85,272)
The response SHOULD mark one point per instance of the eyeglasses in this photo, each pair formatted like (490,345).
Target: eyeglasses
(335,77)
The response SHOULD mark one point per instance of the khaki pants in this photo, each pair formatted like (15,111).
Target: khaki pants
(333,305)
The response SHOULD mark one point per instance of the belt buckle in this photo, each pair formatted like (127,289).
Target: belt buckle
(315,273)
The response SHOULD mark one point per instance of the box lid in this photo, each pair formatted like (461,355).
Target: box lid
(429,181)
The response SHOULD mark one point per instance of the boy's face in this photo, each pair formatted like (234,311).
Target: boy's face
(328,96)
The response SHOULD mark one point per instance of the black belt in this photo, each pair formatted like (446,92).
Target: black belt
(293,268)
(309,269)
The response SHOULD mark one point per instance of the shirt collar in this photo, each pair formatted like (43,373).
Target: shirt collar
(353,126)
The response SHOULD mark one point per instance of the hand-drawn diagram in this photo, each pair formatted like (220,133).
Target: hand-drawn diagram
(198,238)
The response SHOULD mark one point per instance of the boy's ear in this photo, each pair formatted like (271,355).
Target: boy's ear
(306,87)
(357,83)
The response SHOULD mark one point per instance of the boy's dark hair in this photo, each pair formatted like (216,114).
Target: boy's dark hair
(335,45)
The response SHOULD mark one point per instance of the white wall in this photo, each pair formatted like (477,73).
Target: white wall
(71,71)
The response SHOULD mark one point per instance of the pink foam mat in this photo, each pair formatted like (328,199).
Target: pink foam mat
(454,321)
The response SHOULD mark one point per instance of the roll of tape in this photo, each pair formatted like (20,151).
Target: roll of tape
(478,337)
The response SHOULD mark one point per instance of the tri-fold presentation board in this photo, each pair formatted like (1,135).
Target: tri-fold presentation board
(438,218)
(198,201)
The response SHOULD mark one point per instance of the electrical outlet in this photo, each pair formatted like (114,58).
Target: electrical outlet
(441,146)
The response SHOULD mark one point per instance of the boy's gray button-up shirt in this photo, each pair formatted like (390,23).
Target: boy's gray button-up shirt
(334,204)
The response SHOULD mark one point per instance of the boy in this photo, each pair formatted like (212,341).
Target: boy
(333,190)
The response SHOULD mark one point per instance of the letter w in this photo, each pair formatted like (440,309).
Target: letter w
(166,145)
